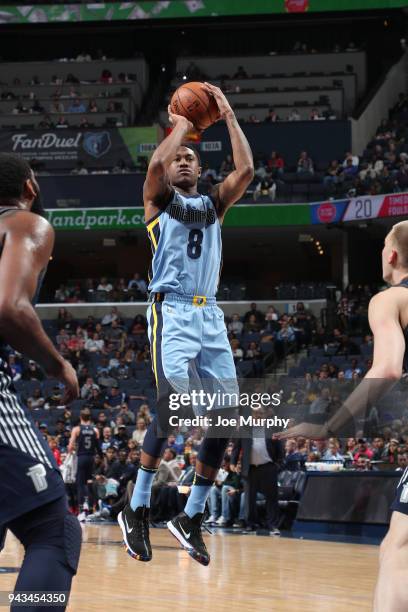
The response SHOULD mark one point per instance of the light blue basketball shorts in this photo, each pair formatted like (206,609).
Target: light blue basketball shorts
(190,350)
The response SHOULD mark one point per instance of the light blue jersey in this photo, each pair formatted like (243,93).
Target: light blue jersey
(188,338)
(187,247)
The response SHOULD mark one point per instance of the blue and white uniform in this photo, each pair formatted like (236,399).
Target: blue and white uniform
(188,337)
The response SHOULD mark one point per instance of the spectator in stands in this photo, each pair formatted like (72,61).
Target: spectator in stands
(104,285)
(114,398)
(259,316)
(333,173)
(237,351)
(235,326)
(315,115)
(349,170)
(231,491)
(354,159)
(62,122)
(305,164)
(227,166)
(294,460)
(122,371)
(276,164)
(379,449)
(94,344)
(111,107)
(87,387)
(53,444)
(271,320)
(61,294)
(126,414)
(363,464)
(253,119)
(20,109)
(272,116)
(285,339)
(56,107)
(121,437)
(112,315)
(354,368)
(77,106)
(15,367)
(265,187)
(36,400)
(106,439)
(139,433)
(33,372)
(46,123)
(240,73)
(54,400)
(363,449)
(391,452)
(115,336)
(93,107)
(294,115)
(208,175)
(252,324)
(137,282)
(333,452)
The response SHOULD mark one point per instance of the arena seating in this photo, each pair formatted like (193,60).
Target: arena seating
(329,83)
(60,82)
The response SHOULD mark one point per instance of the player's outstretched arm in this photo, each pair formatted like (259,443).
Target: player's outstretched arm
(389,349)
(27,246)
(235,185)
(157,189)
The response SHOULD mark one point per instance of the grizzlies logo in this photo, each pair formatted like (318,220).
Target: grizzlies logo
(96,144)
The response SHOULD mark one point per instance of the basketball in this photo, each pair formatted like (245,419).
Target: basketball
(192,101)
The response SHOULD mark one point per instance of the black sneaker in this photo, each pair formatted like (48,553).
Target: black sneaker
(188,532)
(135,530)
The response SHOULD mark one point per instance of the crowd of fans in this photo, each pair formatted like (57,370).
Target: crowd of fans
(381,169)
(102,290)
(67,98)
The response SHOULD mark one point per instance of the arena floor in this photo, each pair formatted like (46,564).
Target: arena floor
(247,572)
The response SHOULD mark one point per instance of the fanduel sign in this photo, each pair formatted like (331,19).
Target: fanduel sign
(22,142)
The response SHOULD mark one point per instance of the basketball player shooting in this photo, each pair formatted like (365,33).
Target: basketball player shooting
(32,492)
(185,323)
(388,318)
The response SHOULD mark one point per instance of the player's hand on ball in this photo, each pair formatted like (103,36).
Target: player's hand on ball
(224,106)
(177,119)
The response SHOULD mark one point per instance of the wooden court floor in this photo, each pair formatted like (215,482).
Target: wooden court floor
(247,572)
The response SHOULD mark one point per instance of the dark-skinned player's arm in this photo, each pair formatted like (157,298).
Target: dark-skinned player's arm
(235,185)
(389,349)
(157,189)
(27,245)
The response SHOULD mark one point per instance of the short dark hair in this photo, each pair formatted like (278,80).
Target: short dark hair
(14,172)
(172,451)
(188,145)
(85,414)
